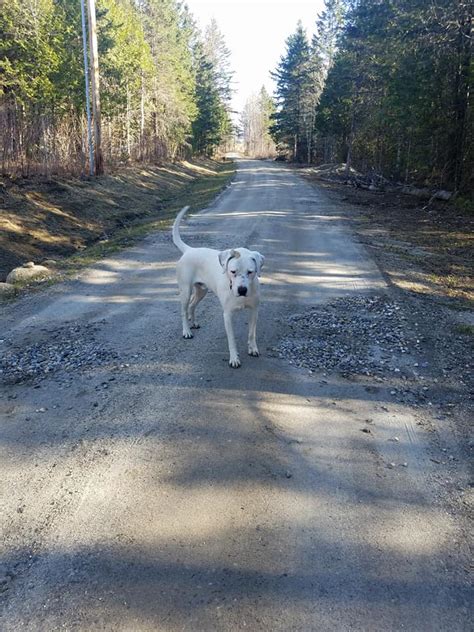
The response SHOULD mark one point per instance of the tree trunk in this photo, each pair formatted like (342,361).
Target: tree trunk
(350,143)
(142,118)
(94,57)
(127,123)
(407,165)
(461,99)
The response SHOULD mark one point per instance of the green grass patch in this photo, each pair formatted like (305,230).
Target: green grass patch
(464,329)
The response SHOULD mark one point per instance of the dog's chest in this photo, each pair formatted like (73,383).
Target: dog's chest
(242,302)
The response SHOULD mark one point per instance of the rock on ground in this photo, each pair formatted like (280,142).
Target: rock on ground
(27,272)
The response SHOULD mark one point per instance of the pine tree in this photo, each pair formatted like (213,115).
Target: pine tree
(292,84)
(212,126)
(170,93)
(149,66)
(328,28)
(315,83)
(208,126)
(218,54)
(29,60)
(266,108)
(396,100)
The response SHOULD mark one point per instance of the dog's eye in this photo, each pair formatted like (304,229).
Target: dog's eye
(251,271)
(232,271)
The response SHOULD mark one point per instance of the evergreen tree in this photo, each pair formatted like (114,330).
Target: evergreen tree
(328,28)
(266,108)
(292,83)
(29,61)
(149,64)
(218,54)
(213,126)
(209,123)
(396,100)
(169,95)
(315,82)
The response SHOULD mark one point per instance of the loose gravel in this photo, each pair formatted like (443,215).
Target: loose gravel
(414,351)
(71,348)
(357,335)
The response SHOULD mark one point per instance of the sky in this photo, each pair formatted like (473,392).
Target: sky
(255,32)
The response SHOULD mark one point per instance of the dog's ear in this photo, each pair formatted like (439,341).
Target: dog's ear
(226,255)
(259,260)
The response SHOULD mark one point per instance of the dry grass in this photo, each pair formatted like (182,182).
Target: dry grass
(87,218)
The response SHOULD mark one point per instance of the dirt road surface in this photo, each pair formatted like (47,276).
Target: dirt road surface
(146,486)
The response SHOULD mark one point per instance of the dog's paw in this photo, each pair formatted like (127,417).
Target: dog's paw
(187,335)
(253,351)
(234,362)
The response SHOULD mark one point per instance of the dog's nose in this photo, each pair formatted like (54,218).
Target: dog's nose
(242,290)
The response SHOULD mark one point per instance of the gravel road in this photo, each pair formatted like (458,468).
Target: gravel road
(146,486)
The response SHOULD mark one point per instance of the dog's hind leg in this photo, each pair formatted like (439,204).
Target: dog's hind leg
(199,293)
(185,295)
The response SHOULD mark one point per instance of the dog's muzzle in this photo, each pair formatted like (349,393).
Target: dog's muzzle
(242,291)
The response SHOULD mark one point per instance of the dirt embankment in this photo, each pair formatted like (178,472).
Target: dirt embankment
(55,218)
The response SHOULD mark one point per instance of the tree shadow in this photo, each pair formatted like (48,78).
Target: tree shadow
(161,538)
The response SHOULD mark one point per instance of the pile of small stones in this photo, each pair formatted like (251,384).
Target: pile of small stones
(70,349)
(363,335)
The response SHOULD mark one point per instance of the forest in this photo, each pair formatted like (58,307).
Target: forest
(383,86)
(164,85)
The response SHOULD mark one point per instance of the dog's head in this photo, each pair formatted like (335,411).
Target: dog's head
(241,266)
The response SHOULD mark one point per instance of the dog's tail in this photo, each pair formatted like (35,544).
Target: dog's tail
(178,242)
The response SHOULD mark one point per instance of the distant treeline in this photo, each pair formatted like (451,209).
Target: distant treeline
(384,86)
(164,86)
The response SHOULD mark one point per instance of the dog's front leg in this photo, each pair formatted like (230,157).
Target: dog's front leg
(252,340)
(234,360)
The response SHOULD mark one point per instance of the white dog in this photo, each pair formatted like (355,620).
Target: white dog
(233,277)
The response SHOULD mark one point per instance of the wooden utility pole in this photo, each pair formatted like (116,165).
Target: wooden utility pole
(94,57)
(88,100)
